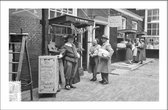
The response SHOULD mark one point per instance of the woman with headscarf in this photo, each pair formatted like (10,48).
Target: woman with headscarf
(142,53)
(129,56)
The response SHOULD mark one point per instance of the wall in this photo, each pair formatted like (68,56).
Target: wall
(32,26)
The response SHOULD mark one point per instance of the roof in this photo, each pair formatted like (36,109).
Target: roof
(129,13)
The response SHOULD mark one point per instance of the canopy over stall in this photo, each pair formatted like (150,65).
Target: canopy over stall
(70,25)
(68,19)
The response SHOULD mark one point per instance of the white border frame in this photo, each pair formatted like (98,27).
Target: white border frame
(161,104)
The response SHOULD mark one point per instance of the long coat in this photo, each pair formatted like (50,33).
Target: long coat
(129,51)
(93,62)
(104,64)
(142,53)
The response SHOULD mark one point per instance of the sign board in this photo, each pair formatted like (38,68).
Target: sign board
(115,21)
(48,74)
(14,91)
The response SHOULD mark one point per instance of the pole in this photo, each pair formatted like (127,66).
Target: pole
(45,25)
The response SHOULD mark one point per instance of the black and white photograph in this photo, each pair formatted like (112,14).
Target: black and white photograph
(86,54)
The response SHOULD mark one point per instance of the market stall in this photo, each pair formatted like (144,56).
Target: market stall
(59,28)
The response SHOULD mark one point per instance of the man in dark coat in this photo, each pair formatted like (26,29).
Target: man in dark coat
(105,61)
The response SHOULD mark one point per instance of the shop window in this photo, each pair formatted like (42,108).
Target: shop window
(134,25)
(152,42)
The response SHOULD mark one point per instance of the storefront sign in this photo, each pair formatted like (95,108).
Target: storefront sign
(81,20)
(48,74)
(115,21)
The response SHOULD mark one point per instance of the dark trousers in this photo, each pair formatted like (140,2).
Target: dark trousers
(70,69)
(93,66)
(104,77)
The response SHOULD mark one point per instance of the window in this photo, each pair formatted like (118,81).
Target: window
(123,23)
(134,25)
(153,15)
(60,11)
(153,22)
(153,29)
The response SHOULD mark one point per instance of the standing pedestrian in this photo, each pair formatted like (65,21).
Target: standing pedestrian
(142,52)
(105,60)
(70,56)
(94,59)
(129,56)
(137,51)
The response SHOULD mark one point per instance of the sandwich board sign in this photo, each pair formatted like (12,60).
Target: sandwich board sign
(48,74)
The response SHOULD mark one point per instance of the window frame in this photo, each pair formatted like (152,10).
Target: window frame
(124,24)
(136,26)
(61,11)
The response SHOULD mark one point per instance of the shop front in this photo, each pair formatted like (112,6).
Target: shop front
(122,37)
(152,46)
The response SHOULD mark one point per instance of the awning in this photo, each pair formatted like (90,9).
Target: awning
(128,31)
(141,33)
(68,19)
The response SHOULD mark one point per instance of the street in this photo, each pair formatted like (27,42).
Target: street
(141,84)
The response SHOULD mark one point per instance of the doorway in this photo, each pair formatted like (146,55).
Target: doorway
(99,32)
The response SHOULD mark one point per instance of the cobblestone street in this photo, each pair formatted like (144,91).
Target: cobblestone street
(141,84)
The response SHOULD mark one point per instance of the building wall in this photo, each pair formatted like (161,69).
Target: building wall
(31,25)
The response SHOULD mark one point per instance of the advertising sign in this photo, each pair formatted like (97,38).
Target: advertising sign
(115,21)
(48,74)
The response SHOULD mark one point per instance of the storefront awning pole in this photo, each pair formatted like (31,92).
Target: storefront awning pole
(45,26)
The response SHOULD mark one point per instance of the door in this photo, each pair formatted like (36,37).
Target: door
(113,42)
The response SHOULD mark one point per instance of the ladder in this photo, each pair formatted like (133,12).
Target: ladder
(20,40)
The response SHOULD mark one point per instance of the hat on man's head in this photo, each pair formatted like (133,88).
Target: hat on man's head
(105,37)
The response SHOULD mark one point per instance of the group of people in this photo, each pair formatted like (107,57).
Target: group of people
(100,59)
(135,51)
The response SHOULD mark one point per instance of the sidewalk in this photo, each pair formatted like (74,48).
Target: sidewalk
(122,67)
(142,84)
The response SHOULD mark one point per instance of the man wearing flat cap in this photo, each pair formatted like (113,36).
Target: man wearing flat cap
(105,60)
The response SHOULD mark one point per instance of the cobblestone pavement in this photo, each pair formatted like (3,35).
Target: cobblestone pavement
(141,84)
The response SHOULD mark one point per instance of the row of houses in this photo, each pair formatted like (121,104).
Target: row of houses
(117,24)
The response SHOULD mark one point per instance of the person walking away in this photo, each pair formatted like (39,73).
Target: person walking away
(129,56)
(105,60)
(70,56)
(142,51)
(94,59)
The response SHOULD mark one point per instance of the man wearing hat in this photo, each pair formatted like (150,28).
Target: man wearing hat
(70,57)
(105,61)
